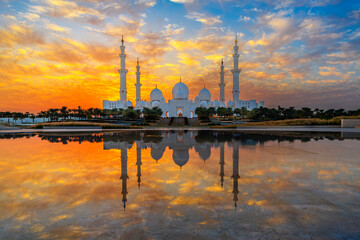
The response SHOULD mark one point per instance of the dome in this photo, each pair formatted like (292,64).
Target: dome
(183,87)
(203,150)
(156,95)
(216,103)
(156,153)
(180,157)
(205,153)
(155,104)
(197,98)
(179,94)
(203,104)
(230,103)
(142,103)
(204,94)
(129,104)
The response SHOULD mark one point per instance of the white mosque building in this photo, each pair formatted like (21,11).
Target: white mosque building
(180,105)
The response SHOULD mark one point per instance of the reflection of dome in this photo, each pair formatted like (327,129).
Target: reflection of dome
(129,104)
(156,95)
(217,103)
(155,104)
(230,103)
(179,94)
(203,104)
(204,94)
(180,157)
(204,151)
(183,87)
(156,152)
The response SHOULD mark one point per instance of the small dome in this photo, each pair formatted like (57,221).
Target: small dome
(155,104)
(203,104)
(179,94)
(156,95)
(197,98)
(142,103)
(183,87)
(217,103)
(230,103)
(204,94)
(129,104)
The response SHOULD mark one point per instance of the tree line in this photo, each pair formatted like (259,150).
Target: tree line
(64,113)
(266,114)
(152,114)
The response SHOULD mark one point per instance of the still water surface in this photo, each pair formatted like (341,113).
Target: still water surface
(179,185)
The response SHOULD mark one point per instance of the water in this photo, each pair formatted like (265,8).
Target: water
(179,185)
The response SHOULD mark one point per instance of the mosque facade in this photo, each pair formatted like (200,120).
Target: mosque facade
(180,105)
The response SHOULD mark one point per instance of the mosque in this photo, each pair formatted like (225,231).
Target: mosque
(180,105)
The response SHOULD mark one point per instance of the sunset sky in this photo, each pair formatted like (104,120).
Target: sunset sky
(57,53)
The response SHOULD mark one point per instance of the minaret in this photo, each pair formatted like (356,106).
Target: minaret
(123,72)
(138,85)
(124,175)
(222,84)
(235,176)
(222,163)
(236,71)
(138,162)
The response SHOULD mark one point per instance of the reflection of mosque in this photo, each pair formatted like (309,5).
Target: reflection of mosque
(180,142)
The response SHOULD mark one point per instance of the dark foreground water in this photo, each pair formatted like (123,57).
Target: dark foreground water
(179,185)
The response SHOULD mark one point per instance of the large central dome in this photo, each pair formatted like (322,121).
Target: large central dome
(180,86)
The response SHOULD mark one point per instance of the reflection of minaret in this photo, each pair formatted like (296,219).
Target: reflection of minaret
(138,163)
(222,163)
(124,175)
(235,175)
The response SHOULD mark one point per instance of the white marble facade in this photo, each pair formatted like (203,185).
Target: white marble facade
(180,105)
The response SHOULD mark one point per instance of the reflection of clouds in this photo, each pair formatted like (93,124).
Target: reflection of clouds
(61,186)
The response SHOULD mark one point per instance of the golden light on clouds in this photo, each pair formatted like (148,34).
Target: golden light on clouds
(57,52)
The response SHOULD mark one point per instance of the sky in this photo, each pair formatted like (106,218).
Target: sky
(56,53)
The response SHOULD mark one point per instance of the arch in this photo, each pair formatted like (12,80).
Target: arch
(167,114)
(179,112)
(179,136)
(192,114)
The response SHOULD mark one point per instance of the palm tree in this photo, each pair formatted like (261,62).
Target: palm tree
(32,116)
(97,112)
(64,112)
(243,112)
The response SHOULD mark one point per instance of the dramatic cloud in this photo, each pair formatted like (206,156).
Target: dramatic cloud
(200,17)
(62,52)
